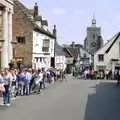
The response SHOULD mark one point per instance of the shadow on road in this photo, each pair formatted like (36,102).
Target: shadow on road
(104,104)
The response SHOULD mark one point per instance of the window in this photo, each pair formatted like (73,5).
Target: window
(40,59)
(36,58)
(21,40)
(101,57)
(46,44)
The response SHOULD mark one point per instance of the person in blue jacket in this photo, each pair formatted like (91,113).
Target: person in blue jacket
(20,80)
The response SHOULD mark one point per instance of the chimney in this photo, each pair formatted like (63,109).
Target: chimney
(35,10)
(55,31)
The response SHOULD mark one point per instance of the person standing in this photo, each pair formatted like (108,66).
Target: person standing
(7,77)
(40,77)
(44,77)
(13,86)
(20,81)
(2,89)
(28,77)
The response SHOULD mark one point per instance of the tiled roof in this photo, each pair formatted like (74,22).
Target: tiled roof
(59,50)
(38,18)
(73,51)
(27,12)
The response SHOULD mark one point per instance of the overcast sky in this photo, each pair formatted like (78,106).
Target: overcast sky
(73,16)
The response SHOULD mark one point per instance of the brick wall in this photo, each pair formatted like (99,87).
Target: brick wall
(22,27)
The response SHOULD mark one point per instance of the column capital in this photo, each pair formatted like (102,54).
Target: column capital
(9,10)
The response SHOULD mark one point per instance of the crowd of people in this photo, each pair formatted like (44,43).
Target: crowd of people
(19,82)
(102,74)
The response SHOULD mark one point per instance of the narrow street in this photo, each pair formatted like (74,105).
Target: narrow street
(70,100)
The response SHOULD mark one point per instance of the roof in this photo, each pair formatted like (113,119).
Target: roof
(59,50)
(67,53)
(38,18)
(28,13)
(106,48)
(73,51)
(45,22)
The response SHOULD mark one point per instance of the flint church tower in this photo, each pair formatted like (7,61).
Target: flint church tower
(94,40)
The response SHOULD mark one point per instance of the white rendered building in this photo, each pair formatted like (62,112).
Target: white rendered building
(108,57)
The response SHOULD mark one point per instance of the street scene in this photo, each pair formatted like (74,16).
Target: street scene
(59,60)
(72,99)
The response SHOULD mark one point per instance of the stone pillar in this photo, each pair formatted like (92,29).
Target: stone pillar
(4,54)
(10,48)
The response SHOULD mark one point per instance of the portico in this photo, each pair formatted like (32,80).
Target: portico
(6,11)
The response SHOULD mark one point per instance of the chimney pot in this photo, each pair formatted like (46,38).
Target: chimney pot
(35,10)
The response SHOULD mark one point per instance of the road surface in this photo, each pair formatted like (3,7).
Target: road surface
(70,100)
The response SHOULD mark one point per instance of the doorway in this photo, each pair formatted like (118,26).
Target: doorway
(117,67)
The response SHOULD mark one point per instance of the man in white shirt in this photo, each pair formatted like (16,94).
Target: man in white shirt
(28,77)
(40,75)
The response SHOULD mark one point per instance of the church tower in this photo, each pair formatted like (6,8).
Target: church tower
(94,40)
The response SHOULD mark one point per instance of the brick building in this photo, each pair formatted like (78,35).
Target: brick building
(35,41)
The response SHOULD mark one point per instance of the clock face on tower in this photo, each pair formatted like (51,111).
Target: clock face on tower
(93,44)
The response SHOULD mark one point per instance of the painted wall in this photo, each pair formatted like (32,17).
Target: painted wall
(38,44)
(44,58)
(60,62)
(114,53)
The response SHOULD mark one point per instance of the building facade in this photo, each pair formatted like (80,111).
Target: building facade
(43,50)
(77,57)
(94,40)
(85,59)
(108,57)
(35,42)
(60,57)
(6,11)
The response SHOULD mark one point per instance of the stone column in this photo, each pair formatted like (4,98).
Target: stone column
(10,48)
(4,55)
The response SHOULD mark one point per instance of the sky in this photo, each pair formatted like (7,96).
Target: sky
(73,16)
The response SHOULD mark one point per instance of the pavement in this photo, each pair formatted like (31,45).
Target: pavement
(69,100)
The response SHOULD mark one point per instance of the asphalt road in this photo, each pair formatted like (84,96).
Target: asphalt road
(70,100)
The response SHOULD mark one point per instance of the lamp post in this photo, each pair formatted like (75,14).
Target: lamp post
(1,45)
